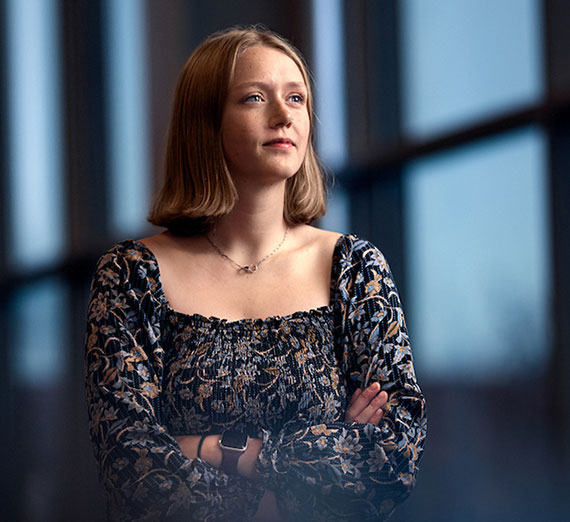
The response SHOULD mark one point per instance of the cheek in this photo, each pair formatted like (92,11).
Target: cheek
(305,125)
(230,136)
(228,149)
(229,132)
(305,139)
(235,145)
(236,132)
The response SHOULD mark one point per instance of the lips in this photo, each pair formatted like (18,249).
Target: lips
(280,141)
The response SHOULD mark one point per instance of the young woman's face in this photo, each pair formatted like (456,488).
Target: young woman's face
(265,124)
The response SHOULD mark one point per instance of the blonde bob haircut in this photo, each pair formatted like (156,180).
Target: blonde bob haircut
(197,186)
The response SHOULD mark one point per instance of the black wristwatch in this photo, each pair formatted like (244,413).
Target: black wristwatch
(233,444)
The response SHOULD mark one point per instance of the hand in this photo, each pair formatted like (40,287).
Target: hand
(268,510)
(366,405)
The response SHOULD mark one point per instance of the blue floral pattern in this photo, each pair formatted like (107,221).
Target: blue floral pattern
(153,373)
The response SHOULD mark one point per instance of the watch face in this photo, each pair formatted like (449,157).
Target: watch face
(234,440)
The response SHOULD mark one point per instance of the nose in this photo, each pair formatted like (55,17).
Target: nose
(281,116)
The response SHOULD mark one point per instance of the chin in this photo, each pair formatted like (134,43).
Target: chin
(285,175)
(269,173)
(278,173)
(287,171)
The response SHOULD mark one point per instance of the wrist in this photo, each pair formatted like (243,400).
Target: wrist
(211,451)
(247,464)
(233,445)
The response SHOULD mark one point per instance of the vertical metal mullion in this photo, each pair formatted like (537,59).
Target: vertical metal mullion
(89,229)
(5,216)
(559,403)
(356,69)
(9,483)
(557,49)
(375,124)
(87,177)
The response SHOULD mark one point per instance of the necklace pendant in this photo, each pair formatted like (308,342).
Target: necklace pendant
(250,269)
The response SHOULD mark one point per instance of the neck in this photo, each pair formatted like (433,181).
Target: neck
(253,228)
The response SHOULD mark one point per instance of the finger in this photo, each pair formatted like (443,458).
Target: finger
(376,417)
(372,408)
(355,396)
(361,402)
(362,399)
(370,391)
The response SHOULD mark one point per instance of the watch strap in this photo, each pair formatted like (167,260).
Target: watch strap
(230,461)
(233,444)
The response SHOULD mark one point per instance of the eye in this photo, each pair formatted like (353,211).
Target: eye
(254,98)
(297,98)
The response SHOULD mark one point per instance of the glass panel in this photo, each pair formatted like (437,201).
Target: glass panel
(478,259)
(34,133)
(337,217)
(128,119)
(38,366)
(463,60)
(329,93)
(38,356)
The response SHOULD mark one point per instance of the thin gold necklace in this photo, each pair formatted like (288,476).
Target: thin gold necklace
(250,269)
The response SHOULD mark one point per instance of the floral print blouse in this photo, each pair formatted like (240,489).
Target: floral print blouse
(153,373)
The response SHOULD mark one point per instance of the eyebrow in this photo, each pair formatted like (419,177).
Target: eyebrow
(294,85)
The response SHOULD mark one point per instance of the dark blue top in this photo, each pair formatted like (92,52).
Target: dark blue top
(152,373)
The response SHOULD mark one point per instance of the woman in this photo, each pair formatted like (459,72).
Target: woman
(243,365)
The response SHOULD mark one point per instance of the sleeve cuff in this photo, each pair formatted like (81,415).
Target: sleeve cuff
(272,461)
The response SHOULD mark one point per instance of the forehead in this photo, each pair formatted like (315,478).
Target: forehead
(265,64)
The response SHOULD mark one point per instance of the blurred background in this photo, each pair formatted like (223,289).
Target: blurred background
(447,126)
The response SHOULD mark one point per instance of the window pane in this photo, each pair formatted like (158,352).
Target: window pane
(38,355)
(330,126)
(328,58)
(478,259)
(128,124)
(34,133)
(40,335)
(463,60)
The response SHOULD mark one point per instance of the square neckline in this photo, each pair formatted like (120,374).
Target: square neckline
(272,319)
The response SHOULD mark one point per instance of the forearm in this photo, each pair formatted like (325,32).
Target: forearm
(365,406)
(212,453)
(360,457)
(268,510)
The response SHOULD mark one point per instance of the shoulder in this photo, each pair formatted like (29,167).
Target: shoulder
(166,247)
(129,261)
(359,254)
(128,252)
(311,245)
(360,269)
(347,250)
(309,235)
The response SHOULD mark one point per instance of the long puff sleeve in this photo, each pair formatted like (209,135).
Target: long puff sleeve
(351,471)
(144,475)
